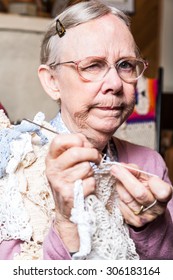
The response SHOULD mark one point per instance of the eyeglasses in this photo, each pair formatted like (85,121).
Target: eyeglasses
(93,69)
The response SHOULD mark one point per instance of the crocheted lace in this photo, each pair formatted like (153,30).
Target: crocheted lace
(27,206)
(102,231)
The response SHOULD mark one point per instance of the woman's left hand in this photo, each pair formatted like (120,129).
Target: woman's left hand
(142,198)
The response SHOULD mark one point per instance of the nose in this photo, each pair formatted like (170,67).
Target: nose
(112,81)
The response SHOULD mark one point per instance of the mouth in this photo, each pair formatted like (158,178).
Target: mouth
(109,111)
(107,108)
(116,108)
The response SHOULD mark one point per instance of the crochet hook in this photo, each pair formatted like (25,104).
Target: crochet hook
(41,126)
(114,162)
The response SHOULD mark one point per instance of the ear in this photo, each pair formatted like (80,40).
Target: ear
(49,81)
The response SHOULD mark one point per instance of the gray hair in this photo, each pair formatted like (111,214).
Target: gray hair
(71,17)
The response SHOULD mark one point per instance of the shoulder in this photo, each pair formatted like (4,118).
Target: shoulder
(146,158)
(128,147)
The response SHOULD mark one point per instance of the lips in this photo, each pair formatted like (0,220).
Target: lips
(116,108)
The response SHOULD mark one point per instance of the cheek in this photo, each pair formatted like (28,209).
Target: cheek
(129,92)
(79,94)
(130,100)
(75,90)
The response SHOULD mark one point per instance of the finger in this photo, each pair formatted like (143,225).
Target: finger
(136,171)
(157,209)
(76,155)
(89,186)
(79,171)
(161,190)
(64,196)
(63,142)
(135,220)
(136,188)
(67,191)
(126,197)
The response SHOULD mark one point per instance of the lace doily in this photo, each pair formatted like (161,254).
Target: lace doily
(4,120)
(27,207)
(102,231)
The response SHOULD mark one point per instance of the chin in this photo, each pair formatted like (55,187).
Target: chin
(110,127)
(110,130)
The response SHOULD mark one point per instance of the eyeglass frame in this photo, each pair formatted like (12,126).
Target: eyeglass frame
(111,65)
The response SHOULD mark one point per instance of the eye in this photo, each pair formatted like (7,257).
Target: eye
(92,66)
(127,65)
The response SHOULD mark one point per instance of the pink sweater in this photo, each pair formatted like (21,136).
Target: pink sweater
(154,242)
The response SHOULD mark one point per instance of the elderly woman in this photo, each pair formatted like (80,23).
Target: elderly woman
(91,64)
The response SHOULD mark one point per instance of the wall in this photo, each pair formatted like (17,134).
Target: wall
(20,89)
(166,44)
(145,25)
(152,28)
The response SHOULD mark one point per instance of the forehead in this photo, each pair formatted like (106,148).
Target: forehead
(100,36)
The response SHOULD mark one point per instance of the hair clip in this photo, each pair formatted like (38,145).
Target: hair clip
(60,28)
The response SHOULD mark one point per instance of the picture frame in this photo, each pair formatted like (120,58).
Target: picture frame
(127,6)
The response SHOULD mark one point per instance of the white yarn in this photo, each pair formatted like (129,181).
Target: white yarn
(81,217)
(19,149)
(14,218)
(103,235)
(102,231)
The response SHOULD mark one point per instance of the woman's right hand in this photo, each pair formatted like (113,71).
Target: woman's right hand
(68,160)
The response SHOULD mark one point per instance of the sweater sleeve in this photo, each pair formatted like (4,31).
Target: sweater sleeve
(9,248)
(155,242)
(53,247)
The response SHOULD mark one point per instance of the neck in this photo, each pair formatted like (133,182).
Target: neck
(98,140)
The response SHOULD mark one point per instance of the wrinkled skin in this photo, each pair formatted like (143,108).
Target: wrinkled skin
(93,111)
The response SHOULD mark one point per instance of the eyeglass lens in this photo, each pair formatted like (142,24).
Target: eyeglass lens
(95,69)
